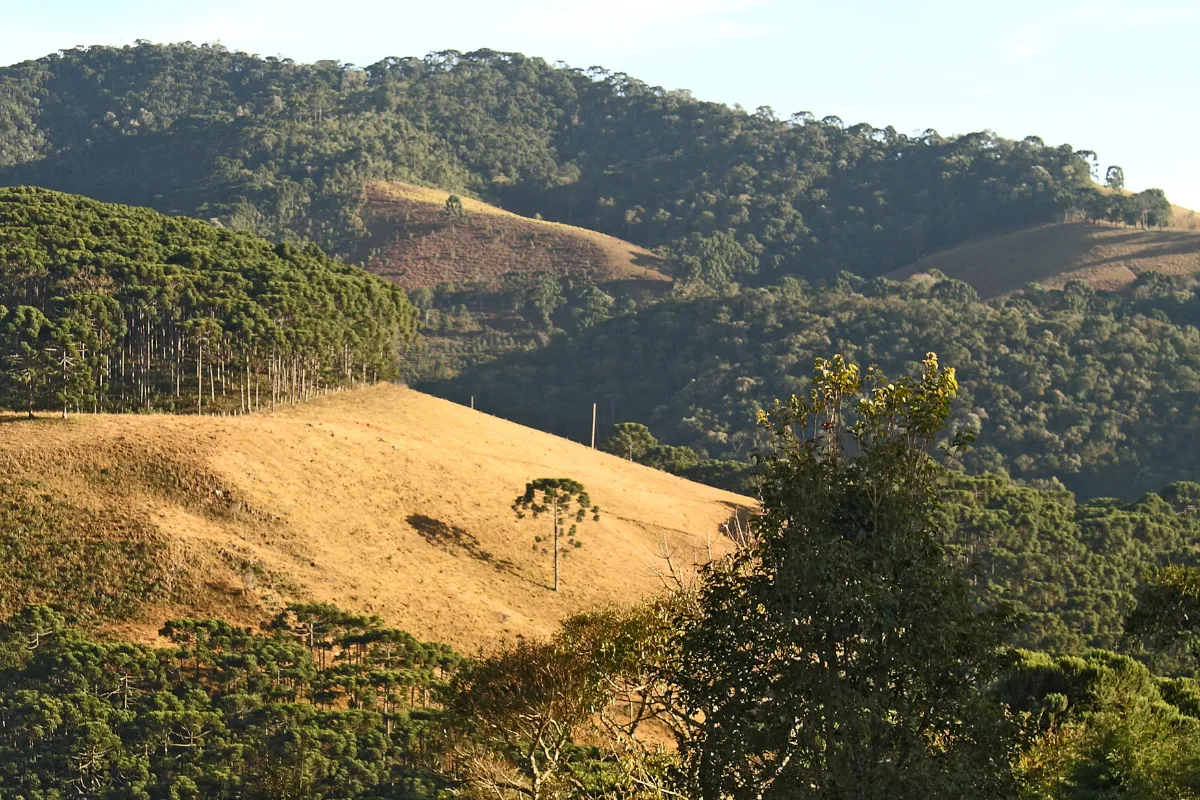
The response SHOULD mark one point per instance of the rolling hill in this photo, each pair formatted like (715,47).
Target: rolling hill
(288,151)
(382,500)
(1104,256)
(411,242)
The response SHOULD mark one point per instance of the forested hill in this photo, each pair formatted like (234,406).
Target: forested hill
(112,308)
(284,150)
(1097,389)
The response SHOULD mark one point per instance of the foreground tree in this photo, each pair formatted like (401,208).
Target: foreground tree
(516,719)
(562,499)
(838,655)
(514,715)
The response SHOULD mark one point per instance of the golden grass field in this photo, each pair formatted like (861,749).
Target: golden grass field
(1106,256)
(414,246)
(381,500)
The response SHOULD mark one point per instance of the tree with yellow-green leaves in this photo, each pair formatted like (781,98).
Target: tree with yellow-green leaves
(839,651)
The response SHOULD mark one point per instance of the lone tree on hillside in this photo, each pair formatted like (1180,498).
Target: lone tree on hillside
(1114,178)
(629,440)
(561,498)
(454,211)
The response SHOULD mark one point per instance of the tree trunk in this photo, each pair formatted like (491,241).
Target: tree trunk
(556,545)
(199,375)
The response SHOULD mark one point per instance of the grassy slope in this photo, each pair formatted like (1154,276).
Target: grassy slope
(414,246)
(383,499)
(1104,255)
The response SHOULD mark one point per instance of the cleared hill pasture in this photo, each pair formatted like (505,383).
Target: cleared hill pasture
(412,243)
(1106,256)
(381,500)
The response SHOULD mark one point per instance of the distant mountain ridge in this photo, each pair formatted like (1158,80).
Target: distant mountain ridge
(287,150)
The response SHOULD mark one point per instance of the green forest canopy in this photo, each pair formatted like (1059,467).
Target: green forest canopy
(107,307)
(283,149)
(1096,389)
(322,703)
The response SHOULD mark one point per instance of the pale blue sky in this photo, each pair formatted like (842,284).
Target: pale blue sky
(1120,78)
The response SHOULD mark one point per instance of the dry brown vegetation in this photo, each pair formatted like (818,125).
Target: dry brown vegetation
(411,242)
(381,500)
(1106,256)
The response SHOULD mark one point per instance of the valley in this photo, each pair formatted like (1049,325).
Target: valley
(893,480)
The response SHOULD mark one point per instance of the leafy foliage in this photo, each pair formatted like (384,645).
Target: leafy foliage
(1069,568)
(838,654)
(1092,388)
(1166,614)
(113,308)
(1103,726)
(221,712)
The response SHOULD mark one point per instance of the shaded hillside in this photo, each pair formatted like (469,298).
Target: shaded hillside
(382,500)
(1105,256)
(1184,219)
(412,242)
(1097,389)
(489,282)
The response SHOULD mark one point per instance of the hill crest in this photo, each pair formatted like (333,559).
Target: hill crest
(382,500)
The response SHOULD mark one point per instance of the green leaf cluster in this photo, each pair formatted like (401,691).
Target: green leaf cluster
(1095,389)
(220,712)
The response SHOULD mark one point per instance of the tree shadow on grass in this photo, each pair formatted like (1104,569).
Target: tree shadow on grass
(453,540)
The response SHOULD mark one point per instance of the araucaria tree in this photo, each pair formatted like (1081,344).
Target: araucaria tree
(112,308)
(839,655)
(563,499)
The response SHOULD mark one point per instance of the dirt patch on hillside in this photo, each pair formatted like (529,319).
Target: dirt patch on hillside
(1106,256)
(412,242)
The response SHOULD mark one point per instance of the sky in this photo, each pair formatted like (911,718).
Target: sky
(1119,78)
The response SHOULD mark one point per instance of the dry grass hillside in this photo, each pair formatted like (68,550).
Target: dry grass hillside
(1184,219)
(381,500)
(411,242)
(1106,256)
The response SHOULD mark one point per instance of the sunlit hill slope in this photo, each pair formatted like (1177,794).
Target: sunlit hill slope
(382,500)
(1104,255)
